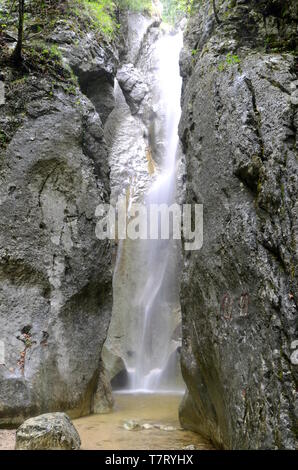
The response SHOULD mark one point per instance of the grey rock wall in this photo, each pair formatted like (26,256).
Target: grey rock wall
(55,275)
(239,292)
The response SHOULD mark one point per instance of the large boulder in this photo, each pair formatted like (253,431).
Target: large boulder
(50,431)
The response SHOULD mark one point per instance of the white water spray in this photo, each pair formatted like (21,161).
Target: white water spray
(150,369)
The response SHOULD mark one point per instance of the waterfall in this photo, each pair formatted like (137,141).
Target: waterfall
(150,369)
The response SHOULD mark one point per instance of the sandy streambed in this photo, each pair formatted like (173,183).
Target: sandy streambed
(153,420)
(137,422)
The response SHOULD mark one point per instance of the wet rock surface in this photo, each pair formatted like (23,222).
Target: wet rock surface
(133,86)
(239,292)
(51,431)
(103,401)
(55,275)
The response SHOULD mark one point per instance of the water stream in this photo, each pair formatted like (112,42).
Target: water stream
(157,420)
(154,361)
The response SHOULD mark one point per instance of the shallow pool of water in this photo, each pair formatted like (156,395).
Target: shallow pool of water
(108,431)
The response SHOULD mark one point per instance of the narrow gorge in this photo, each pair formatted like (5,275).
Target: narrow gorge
(143,342)
(141,350)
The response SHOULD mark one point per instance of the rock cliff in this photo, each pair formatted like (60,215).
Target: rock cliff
(239,292)
(55,275)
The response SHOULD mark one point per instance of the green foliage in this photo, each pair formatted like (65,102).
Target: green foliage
(4,15)
(4,139)
(54,51)
(99,15)
(46,59)
(102,13)
(19,81)
(3,20)
(231,59)
(173,10)
(134,5)
(46,55)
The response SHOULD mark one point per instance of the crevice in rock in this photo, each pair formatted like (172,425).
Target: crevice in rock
(275,83)
(99,88)
(250,87)
(45,182)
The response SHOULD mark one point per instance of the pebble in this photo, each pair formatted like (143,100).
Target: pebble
(133,425)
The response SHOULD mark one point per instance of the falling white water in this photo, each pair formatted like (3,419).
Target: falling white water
(154,362)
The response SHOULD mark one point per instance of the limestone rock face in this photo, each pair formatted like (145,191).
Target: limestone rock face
(239,292)
(50,431)
(94,64)
(55,275)
(132,85)
(103,400)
